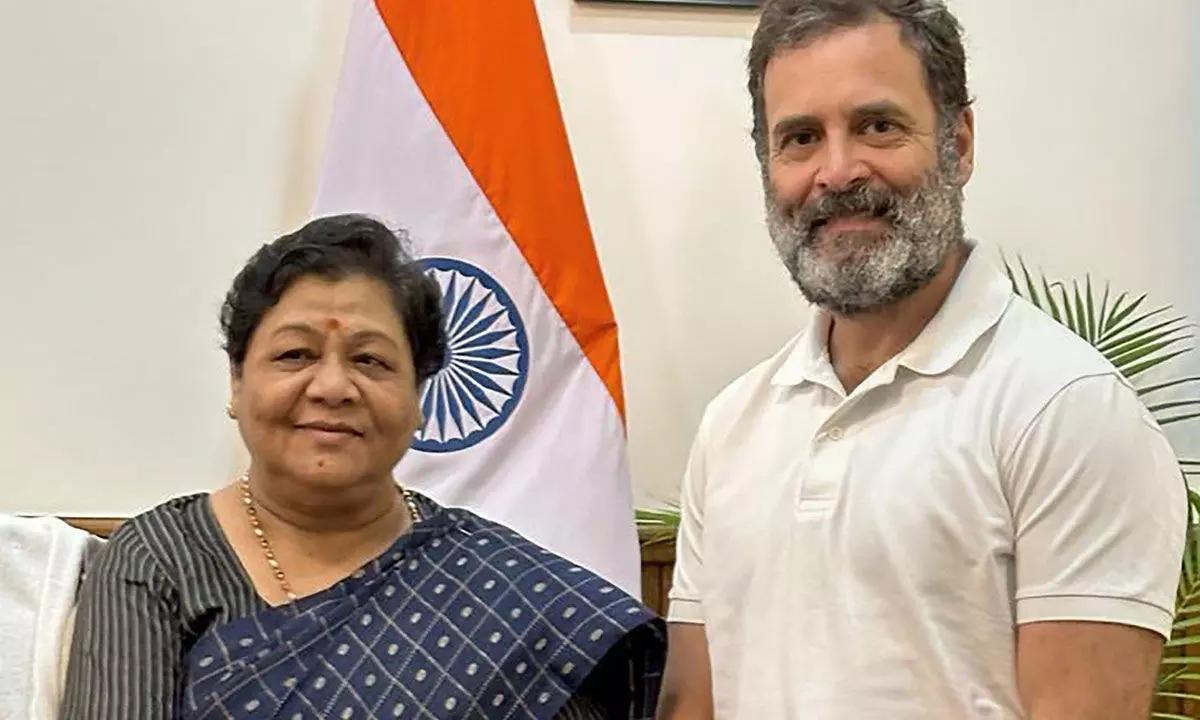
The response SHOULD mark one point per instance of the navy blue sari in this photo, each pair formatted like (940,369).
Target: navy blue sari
(461,618)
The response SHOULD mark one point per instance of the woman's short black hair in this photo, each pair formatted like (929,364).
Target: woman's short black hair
(334,248)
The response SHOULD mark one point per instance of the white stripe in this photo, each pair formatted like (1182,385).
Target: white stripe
(557,470)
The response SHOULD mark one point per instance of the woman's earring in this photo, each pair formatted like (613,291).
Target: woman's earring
(229,411)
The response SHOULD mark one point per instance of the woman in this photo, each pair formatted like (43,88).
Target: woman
(313,586)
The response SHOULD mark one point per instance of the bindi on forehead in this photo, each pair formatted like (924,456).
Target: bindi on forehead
(332,325)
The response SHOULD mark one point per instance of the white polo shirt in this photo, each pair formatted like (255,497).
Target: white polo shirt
(870,555)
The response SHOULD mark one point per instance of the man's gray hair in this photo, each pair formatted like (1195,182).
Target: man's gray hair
(927,26)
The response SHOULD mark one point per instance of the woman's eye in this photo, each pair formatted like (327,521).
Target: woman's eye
(294,354)
(370,360)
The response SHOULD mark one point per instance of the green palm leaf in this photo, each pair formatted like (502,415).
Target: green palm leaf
(657,525)
(1168,385)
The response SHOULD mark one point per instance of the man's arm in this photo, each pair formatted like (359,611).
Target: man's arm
(1099,516)
(1087,670)
(687,683)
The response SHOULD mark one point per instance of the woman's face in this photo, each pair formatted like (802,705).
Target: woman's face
(327,393)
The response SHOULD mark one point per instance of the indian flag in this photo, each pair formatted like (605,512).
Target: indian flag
(446,124)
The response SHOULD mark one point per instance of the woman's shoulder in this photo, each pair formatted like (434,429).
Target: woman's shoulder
(138,547)
(177,517)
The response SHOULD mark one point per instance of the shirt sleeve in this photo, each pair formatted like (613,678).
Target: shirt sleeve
(1100,511)
(686,603)
(125,651)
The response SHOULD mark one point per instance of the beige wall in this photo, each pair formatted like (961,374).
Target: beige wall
(148,147)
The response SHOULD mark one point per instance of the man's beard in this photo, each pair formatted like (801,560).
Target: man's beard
(856,271)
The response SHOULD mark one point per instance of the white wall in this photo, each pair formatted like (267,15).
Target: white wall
(1187,274)
(147,148)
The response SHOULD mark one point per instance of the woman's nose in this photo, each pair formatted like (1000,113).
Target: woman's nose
(332,383)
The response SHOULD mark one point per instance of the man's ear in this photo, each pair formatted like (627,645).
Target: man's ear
(965,144)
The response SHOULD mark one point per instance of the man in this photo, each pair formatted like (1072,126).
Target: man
(936,502)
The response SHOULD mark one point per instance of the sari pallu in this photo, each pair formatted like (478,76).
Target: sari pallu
(460,618)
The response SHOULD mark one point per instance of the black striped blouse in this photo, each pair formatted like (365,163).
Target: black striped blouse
(137,618)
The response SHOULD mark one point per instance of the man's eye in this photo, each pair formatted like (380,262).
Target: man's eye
(880,127)
(800,138)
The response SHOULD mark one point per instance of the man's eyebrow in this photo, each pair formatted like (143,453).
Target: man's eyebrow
(884,108)
(876,108)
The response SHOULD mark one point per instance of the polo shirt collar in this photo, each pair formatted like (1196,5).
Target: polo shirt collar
(976,302)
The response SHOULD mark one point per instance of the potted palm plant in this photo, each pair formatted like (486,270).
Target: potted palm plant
(1136,339)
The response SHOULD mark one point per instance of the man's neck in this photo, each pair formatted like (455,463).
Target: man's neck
(861,343)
